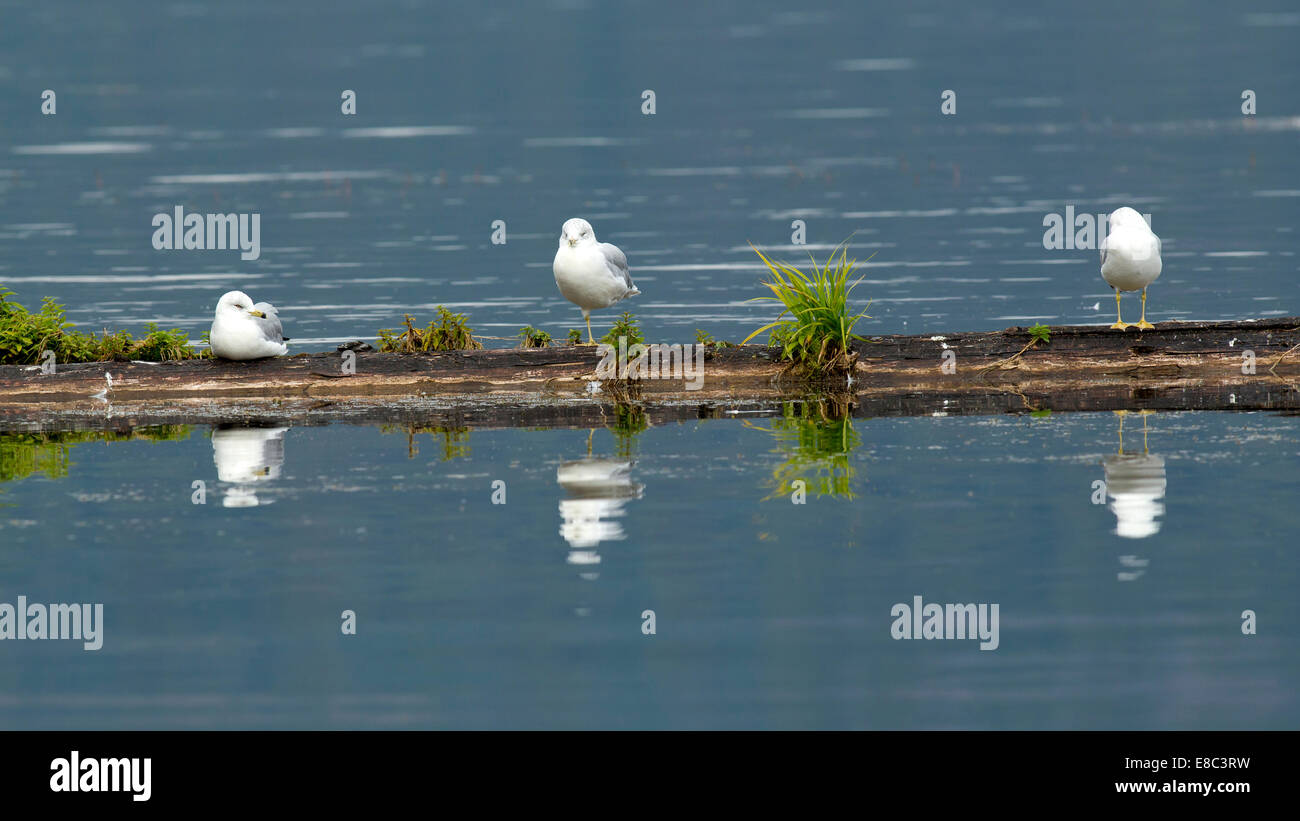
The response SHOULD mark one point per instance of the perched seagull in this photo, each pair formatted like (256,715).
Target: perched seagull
(242,330)
(1130,260)
(590,274)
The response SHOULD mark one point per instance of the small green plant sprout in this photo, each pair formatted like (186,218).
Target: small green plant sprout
(815,327)
(704,338)
(1038,332)
(627,326)
(574,337)
(530,337)
(446,333)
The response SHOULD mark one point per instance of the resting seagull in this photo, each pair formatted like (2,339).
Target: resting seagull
(242,330)
(1130,260)
(590,274)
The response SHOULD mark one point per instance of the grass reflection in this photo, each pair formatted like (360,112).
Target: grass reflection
(454,442)
(817,440)
(23,455)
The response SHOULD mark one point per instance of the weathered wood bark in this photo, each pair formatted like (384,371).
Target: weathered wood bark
(1177,366)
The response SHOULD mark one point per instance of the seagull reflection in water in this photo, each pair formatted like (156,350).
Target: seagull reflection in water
(1135,486)
(246,458)
(598,489)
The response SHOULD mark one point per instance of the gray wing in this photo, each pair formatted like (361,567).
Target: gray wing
(270,325)
(616,261)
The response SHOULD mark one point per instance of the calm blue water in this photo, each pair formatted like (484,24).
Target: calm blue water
(768,614)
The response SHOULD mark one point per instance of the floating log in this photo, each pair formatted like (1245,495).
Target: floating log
(1236,365)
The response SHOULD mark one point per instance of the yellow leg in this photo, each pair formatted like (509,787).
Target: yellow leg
(590,339)
(1142,323)
(1120,324)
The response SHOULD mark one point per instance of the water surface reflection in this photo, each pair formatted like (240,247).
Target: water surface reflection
(247,458)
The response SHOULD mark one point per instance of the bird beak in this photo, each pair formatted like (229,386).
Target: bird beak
(257,314)
(572,242)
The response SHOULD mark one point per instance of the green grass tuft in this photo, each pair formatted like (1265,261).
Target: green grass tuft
(815,328)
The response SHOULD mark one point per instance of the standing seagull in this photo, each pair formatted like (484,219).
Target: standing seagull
(242,330)
(590,274)
(1130,260)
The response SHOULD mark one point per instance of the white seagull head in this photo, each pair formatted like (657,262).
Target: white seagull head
(1126,217)
(233,302)
(577,231)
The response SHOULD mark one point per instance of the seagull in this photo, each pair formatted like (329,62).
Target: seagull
(1130,260)
(590,274)
(242,330)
